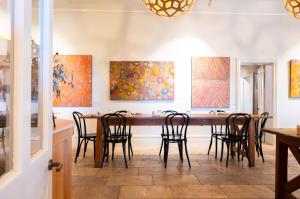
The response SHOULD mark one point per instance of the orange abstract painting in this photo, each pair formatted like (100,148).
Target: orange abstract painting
(72,80)
(295,78)
(210,82)
(141,80)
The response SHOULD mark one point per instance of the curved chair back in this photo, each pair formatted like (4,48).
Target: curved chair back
(237,125)
(121,112)
(261,123)
(168,111)
(80,124)
(114,126)
(176,125)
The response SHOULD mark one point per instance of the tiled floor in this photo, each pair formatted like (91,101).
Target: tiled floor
(146,177)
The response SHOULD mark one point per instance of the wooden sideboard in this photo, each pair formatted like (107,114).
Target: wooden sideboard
(62,153)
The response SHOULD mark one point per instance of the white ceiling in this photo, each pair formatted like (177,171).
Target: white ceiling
(241,6)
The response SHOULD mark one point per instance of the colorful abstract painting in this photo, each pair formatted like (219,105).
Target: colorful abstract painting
(141,80)
(72,80)
(210,82)
(295,78)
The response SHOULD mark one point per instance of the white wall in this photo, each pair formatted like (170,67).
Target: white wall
(118,35)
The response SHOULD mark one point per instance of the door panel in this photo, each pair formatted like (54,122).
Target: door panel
(261,89)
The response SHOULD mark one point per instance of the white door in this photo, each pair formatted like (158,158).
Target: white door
(31,135)
(261,89)
(248,94)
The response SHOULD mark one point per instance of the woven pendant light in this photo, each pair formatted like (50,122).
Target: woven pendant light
(293,7)
(169,8)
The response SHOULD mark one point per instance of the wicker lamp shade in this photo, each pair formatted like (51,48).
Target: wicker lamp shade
(293,7)
(169,8)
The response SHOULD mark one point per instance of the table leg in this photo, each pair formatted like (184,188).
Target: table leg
(281,169)
(99,143)
(251,143)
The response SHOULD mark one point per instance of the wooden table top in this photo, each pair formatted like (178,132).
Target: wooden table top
(62,125)
(290,132)
(192,116)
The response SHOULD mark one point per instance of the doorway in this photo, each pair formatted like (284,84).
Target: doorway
(256,91)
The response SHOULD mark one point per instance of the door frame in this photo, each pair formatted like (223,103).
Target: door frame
(239,63)
(18,182)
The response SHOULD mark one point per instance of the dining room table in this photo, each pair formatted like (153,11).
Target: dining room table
(286,139)
(159,120)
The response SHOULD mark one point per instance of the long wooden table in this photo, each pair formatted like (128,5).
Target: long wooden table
(156,120)
(285,139)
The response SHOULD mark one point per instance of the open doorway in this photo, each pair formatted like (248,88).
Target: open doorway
(256,95)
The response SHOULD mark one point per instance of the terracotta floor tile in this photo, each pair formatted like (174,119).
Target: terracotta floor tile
(88,180)
(85,171)
(140,192)
(222,179)
(198,191)
(159,171)
(104,192)
(247,191)
(260,179)
(196,170)
(117,171)
(175,180)
(129,180)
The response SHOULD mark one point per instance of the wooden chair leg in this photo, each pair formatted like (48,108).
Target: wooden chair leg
(161,146)
(180,151)
(210,144)
(228,144)
(187,154)
(113,151)
(166,152)
(104,154)
(124,153)
(222,150)
(78,148)
(261,149)
(216,149)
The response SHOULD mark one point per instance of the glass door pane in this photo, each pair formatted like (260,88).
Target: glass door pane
(6,57)
(36,130)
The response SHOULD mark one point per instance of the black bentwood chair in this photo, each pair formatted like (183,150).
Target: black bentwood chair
(216,132)
(114,126)
(260,124)
(236,132)
(83,136)
(176,128)
(129,134)
(163,132)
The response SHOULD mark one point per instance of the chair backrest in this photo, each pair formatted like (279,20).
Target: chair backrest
(237,125)
(214,128)
(121,112)
(80,124)
(176,125)
(168,111)
(261,123)
(114,126)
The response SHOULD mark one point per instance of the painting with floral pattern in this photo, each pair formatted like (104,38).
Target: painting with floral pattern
(210,82)
(141,80)
(72,80)
(295,78)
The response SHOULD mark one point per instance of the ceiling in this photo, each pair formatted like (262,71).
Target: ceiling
(241,6)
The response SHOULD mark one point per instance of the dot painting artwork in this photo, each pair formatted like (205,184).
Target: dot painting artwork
(72,80)
(210,82)
(295,78)
(141,80)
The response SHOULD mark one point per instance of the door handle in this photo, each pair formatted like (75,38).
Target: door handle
(57,165)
